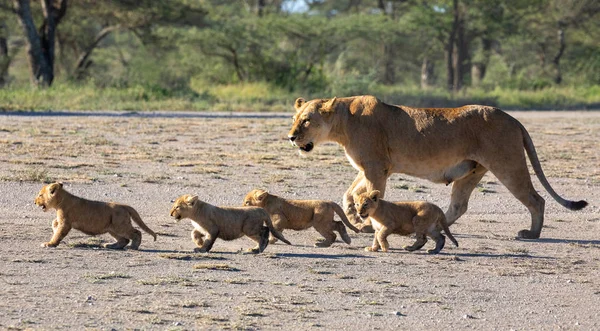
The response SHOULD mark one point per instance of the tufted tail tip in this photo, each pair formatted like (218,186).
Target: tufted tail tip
(577,205)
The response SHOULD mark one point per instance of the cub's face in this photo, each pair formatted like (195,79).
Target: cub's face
(183,206)
(46,197)
(255,198)
(312,123)
(366,203)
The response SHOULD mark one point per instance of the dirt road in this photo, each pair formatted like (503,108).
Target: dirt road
(146,160)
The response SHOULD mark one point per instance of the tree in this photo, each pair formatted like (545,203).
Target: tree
(41,44)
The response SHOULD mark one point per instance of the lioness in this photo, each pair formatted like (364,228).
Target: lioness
(302,214)
(403,218)
(90,217)
(443,145)
(227,223)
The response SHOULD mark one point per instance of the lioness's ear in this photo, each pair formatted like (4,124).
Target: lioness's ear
(55,186)
(374,195)
(191,200)
(260,195)
(298,104)
(329,105)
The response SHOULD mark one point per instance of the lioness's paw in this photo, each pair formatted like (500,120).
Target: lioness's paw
(48,244)
(526,234)
(200,250)
(370,249)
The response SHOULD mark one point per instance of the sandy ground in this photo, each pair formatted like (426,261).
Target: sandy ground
(491,282)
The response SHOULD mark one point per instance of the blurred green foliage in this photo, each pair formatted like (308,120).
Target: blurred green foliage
(260,55)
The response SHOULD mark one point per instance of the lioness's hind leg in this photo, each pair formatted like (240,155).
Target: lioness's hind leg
(513,173)
(461,192)
(341,229)
(261,239)
(119,244)
(326,230)
(440,241)
(264,239)
(136,239)
(421,241)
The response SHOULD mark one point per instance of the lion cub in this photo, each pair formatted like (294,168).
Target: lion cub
(227,223)
(90,217)
(302,214)
(404,218)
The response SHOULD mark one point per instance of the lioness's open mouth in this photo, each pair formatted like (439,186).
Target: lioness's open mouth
(43,207)
(308,147)
(364,216)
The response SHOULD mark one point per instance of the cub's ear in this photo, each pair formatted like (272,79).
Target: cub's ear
(329,105)
(298,104)
(260,195)
(374,195)
(191,200)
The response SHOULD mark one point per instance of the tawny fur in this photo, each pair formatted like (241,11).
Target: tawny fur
(227,223)
(301,215)
(90,217)
(419,217)
(443,145)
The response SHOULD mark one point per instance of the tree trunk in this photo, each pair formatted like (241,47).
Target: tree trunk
(427,73)
(40,69)
(559,54)
(389,75)
(450,48)
(461,53)
(260,7)
(4,58)
(479,68)
(40,46)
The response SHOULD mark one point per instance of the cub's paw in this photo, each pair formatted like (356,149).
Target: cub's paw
(49,244)
(200,250)
(370,249)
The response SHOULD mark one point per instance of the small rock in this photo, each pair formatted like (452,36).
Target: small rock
(397,313)
(467,316)
(177,323)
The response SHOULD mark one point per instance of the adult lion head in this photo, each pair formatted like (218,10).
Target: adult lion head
(312,123)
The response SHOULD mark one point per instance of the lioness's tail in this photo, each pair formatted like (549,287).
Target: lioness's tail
(340,212)
(444,224)
(138,220)
(537,167)
(275,233)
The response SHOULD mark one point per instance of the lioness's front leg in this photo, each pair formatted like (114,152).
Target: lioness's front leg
(197,238)
(359,185)
(60,230)
(375,246)
(209,241)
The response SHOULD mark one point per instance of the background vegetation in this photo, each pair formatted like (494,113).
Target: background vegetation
(260,55)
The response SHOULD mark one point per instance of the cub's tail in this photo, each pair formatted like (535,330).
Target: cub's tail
(444,224)
(138,220)
(275,233)
(340,212)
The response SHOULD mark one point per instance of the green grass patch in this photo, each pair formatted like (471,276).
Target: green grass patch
(264,97)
